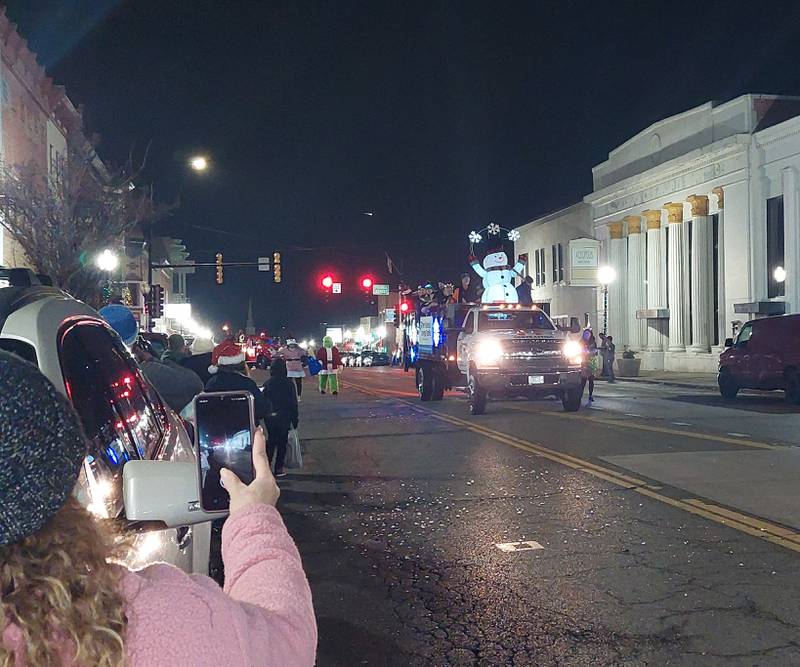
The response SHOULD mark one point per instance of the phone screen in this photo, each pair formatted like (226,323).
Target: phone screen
(225,440)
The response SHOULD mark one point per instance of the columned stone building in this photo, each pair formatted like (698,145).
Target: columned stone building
(699,215)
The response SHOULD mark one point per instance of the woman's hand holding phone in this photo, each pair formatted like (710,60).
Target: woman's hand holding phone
(263,489)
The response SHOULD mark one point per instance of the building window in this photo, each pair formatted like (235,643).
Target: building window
(558,263)
(776,274)
(540,276)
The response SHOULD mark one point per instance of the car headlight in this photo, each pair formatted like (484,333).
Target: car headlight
(488,353)
(573,351)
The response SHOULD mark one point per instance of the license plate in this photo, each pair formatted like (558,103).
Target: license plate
(536,379)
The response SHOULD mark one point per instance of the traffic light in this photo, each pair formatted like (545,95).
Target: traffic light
(276,267)
(155,302)
(366,284)
(220,276)
(327,283)
(404,307)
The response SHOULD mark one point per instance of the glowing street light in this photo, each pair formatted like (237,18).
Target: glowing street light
(779,274)
(605,276)
(199,163)
(107,261)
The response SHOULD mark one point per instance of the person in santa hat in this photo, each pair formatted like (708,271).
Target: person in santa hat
(229,373)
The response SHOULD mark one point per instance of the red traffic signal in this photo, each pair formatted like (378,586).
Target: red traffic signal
(327,281)
(366,283)
(404,307)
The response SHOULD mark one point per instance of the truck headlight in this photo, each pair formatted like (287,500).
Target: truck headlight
(488,353)
(573,351)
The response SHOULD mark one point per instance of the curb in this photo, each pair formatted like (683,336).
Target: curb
(669,383)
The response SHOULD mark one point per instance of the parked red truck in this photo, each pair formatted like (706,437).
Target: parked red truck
(764,355)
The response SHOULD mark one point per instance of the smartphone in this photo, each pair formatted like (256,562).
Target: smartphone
(224,427)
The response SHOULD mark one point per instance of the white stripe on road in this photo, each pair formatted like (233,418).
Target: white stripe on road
(510,547)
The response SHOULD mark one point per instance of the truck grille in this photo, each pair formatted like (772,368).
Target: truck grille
(525,348)
(531,354)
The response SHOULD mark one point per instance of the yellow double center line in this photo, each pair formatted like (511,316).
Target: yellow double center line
(764,530)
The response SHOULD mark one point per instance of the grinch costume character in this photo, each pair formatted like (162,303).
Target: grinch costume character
(328,356)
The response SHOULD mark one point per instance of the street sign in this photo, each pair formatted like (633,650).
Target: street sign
(263,263)
(336,288)
(390,314)
(380,290)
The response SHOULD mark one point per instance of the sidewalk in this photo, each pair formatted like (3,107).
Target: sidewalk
(676,379)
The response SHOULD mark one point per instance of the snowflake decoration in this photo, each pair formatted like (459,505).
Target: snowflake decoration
(474,237)
(513,235)
(493,228)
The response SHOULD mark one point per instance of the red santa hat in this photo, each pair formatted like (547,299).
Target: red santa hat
(227,353)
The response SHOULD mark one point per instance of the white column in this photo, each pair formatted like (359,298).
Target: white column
(677,283)
(791,239)
(617,293)
(637,285)
(722,320)
(702,302)
(655,278)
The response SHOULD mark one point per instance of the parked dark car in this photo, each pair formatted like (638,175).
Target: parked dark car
(764,355)
(370,358)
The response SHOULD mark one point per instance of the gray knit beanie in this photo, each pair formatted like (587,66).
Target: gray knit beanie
(41,449)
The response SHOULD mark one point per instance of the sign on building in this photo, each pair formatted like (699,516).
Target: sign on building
(584,260)
(390,314)
(380,290)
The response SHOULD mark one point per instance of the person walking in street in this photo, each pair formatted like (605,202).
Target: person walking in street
(296,362)
(229,373)
(67,600)
(608,350)
(328,356)
(524,295)
(591,361)
(281,393)
(177,349)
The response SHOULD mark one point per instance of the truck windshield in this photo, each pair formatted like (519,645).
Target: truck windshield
(513,319)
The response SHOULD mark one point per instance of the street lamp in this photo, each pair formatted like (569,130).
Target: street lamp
(779,274)
(107,261)
(199,163)
(605,276)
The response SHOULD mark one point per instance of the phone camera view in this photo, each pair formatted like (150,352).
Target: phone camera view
(225,441)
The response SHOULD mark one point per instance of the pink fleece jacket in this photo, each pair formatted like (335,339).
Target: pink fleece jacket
(263,617)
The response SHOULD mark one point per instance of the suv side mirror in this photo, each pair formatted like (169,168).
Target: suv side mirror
(167,492)
(729,342)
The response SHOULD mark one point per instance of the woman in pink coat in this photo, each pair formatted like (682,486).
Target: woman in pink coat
(63,603)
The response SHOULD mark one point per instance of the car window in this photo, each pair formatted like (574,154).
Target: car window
(469,322)
(745,334)
(514,319)
(111,398)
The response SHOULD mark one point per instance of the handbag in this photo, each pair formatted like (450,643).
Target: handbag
(314,366)
(294,457)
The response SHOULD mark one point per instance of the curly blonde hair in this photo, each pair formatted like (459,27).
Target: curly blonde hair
(57,587)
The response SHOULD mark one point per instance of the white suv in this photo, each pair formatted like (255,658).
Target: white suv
(123,417)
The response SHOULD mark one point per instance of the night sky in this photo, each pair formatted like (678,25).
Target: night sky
(437,116)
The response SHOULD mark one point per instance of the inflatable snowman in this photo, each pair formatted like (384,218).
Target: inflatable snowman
(497,277)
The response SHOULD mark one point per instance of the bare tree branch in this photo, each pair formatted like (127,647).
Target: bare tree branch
(61,221)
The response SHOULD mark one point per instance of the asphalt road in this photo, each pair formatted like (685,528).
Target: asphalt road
(666,527)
